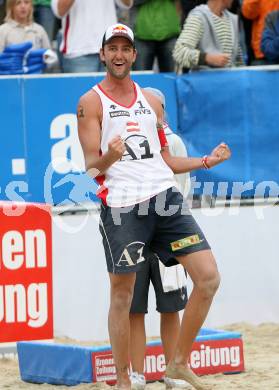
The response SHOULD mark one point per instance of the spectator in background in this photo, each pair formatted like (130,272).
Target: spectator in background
(210,38)
(157,25)
(188,5)
(169,285)
(19,26)
(83,26)
(44,16)
(2,11)
(270,38)
(257,10)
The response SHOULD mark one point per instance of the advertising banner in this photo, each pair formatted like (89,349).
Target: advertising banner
(240,108)
(41,159)
(13,178)
(26,306)
(207,357)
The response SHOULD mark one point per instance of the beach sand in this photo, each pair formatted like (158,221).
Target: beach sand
(261,355)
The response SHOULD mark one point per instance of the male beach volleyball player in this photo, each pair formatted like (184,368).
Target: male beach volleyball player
(120,130)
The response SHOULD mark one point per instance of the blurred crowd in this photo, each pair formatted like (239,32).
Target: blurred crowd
(171,35)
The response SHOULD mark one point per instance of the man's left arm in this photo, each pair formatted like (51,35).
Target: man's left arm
(187,164)
(184,164)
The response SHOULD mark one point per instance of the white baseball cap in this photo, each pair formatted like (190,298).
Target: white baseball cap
(118,30)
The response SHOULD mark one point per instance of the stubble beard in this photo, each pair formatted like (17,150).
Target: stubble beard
(119,76)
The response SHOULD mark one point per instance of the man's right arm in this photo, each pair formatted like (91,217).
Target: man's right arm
(61,7)
(89,114)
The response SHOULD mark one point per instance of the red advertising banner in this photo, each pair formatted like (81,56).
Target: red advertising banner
(26,307)
(216,356)
(207,357)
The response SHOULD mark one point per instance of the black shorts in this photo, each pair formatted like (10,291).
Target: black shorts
(162,224)
(166,302)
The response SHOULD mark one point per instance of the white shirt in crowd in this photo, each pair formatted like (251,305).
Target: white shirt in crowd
(84,25)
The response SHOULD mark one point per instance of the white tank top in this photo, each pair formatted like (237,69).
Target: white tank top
(141,172)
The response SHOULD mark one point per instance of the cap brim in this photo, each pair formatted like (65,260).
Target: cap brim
(121,35)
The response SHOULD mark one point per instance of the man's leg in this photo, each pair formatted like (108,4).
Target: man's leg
(138,341)
(137,325)
(44,16)
(164,51)
(122,287)
(202,269)
(170,327)
(146,55)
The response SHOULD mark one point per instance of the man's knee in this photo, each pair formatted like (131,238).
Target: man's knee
(121,298)
(209,285)
(122,289)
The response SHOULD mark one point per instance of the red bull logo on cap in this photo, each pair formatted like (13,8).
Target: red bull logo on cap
(119,28)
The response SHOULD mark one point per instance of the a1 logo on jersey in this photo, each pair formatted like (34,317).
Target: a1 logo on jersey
(137,146)
(142,110)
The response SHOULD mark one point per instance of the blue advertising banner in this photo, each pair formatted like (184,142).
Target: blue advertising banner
(13,175)
(41,128)
(240,108)
(41,158)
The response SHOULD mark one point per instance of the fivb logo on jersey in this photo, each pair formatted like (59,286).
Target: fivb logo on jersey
(142,110)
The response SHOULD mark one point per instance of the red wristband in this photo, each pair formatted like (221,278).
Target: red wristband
(205,163)
(162,137)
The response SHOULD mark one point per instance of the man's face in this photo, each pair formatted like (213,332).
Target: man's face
(119,56)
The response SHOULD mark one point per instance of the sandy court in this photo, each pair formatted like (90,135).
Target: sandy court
(261,353)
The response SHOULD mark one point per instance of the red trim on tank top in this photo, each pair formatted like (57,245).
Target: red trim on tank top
(65,47)
(102,192)
(119,104)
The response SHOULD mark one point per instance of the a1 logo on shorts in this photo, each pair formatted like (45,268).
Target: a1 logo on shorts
(132,254)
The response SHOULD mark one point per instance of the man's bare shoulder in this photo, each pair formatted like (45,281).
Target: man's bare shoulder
(154,102)
(90,97)
(89,103)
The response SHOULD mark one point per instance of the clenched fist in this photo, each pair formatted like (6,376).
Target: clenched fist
(219,154)
(222,151)
(116,148)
